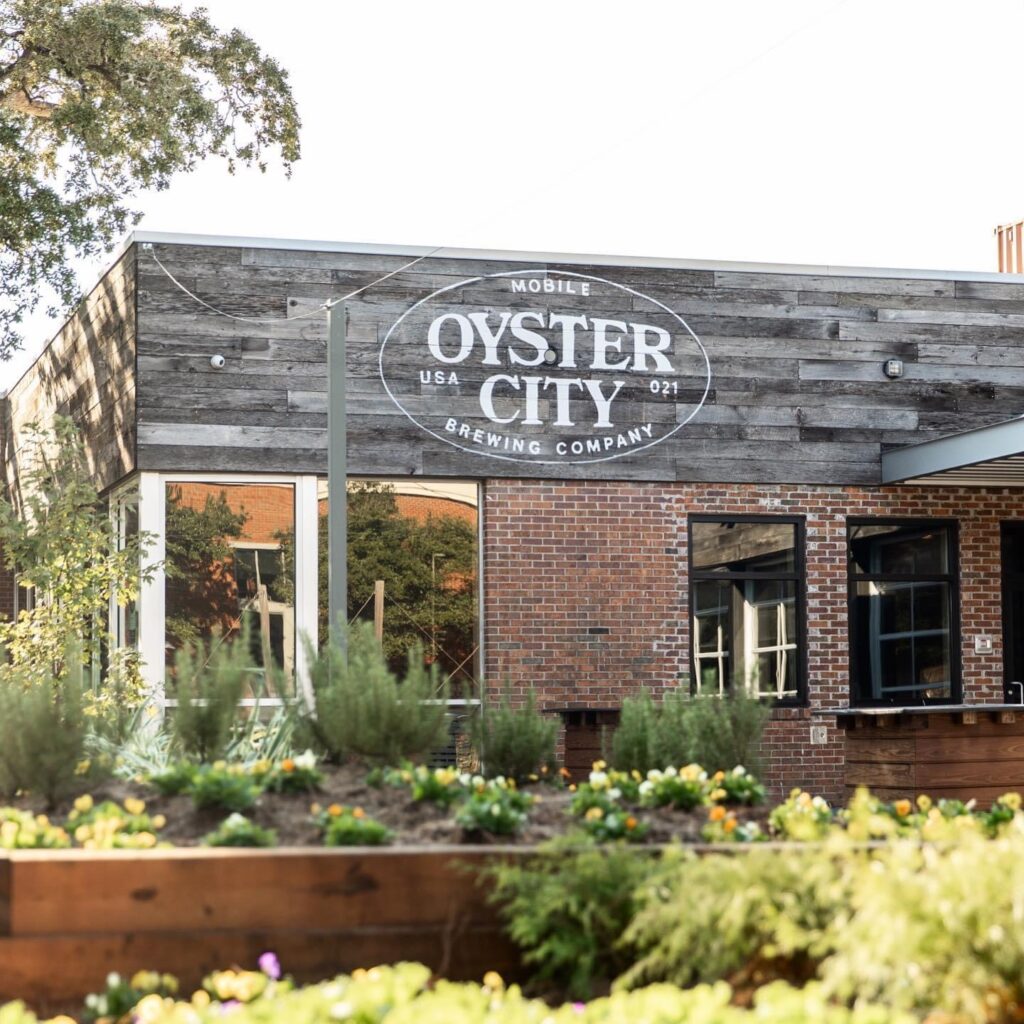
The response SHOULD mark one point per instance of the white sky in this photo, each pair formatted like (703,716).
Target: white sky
(857,132)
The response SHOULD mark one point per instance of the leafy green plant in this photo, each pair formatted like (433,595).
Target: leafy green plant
(736,786)
(238,830)
(722,732)
(62,543)
(120,995)
(760,915)
(362,710)
(568,907)
(683,789)
(175,779)
(610,822)
(632,743)
(802,817)
(227,787)
(20,830)
(498,809)
(297,774)
(111,826)
(514,742)
(44,729)
(209,681)
(350,826)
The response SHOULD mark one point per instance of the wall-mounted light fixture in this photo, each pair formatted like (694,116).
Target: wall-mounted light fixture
(217,361)
(893,368)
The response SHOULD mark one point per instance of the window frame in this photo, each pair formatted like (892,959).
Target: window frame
(857,683)
(798,576)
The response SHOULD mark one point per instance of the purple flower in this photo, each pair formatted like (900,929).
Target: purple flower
(270,966)
(579,1007)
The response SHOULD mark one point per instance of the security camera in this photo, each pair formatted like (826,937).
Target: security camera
(217,361)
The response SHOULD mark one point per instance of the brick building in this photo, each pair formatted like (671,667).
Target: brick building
(799,481)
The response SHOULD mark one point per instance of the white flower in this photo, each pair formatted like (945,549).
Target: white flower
(614,793)
(612,822)
(654,775)
(113,979)
(739,770)
(306,761)
(495,809)
(341,1011)
(235,820)
(599,779)
(645,787)
(670,772)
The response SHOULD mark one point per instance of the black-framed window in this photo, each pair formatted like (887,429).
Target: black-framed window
(1013,609)
(904,601)
(747,602)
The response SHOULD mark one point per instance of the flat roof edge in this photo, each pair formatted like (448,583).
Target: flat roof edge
(956,451)
(523,256)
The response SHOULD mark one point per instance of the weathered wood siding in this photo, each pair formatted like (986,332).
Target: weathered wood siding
(797,392)
(86,372)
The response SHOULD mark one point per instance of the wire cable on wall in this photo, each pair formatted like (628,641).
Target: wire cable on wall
(323,307)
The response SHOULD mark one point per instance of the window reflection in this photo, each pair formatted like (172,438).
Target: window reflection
(420,539)
(230,566)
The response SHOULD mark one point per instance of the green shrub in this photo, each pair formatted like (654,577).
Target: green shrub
(362,710)
(632,743)
(496,809)
(349,826)
(209,682)
(20,830)
(238,830)
(223,787)
(175,779)
(722,732)
(717,733)
(44,729)
(568,907)
(515,742)
(703,919)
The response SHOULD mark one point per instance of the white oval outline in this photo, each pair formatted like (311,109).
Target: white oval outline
(528,460)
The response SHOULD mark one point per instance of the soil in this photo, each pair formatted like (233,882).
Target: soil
(412,822)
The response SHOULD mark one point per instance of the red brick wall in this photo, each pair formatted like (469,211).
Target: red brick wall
(586,593)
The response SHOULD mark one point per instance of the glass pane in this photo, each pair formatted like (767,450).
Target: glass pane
(743,547)
(887,549)
(230,565)
(420,539)
(901,641)
(1013,548)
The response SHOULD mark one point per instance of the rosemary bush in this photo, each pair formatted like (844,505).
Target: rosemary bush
(515,742)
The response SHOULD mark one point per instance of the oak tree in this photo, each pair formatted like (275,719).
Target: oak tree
(100,99)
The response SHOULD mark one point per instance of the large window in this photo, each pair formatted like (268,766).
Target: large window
(1013,610)
(229,566)
(412,571)
(904,640)
(746,600)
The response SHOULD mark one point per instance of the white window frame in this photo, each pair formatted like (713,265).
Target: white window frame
(152,487)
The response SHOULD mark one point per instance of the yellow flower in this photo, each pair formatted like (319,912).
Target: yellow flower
(315,808)
(82,833)
(159,821)
(335,810)
(718,776)
(83,804)
(572,788)
(718,794)
(219,766)
(42,820)
(902,807)
(599,766)
(1011,800)
(717,813)
(134,806)
(924,803)
(493,980)
(201,999)
(8,834)
(594,814)
(82,768)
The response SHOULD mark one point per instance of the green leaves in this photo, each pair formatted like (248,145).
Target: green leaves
(102,98)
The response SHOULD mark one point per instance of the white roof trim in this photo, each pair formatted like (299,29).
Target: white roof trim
(985,456)
(515,256)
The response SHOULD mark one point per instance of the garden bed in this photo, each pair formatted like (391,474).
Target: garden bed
(411,822)
(68,917)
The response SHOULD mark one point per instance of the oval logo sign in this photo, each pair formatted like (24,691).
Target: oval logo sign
(545,366)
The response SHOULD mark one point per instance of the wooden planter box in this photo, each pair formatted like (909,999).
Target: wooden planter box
(67,918)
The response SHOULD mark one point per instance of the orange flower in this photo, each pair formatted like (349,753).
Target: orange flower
(729,825)
(717,813)
(902,808)
(335,810)
(631,823)
(358,812)
(287,765)
(565,773)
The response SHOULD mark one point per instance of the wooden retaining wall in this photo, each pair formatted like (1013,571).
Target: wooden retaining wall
(67,918)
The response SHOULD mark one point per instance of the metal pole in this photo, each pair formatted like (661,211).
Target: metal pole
(337,473)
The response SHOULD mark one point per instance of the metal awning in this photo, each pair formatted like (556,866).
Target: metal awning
(986,457)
